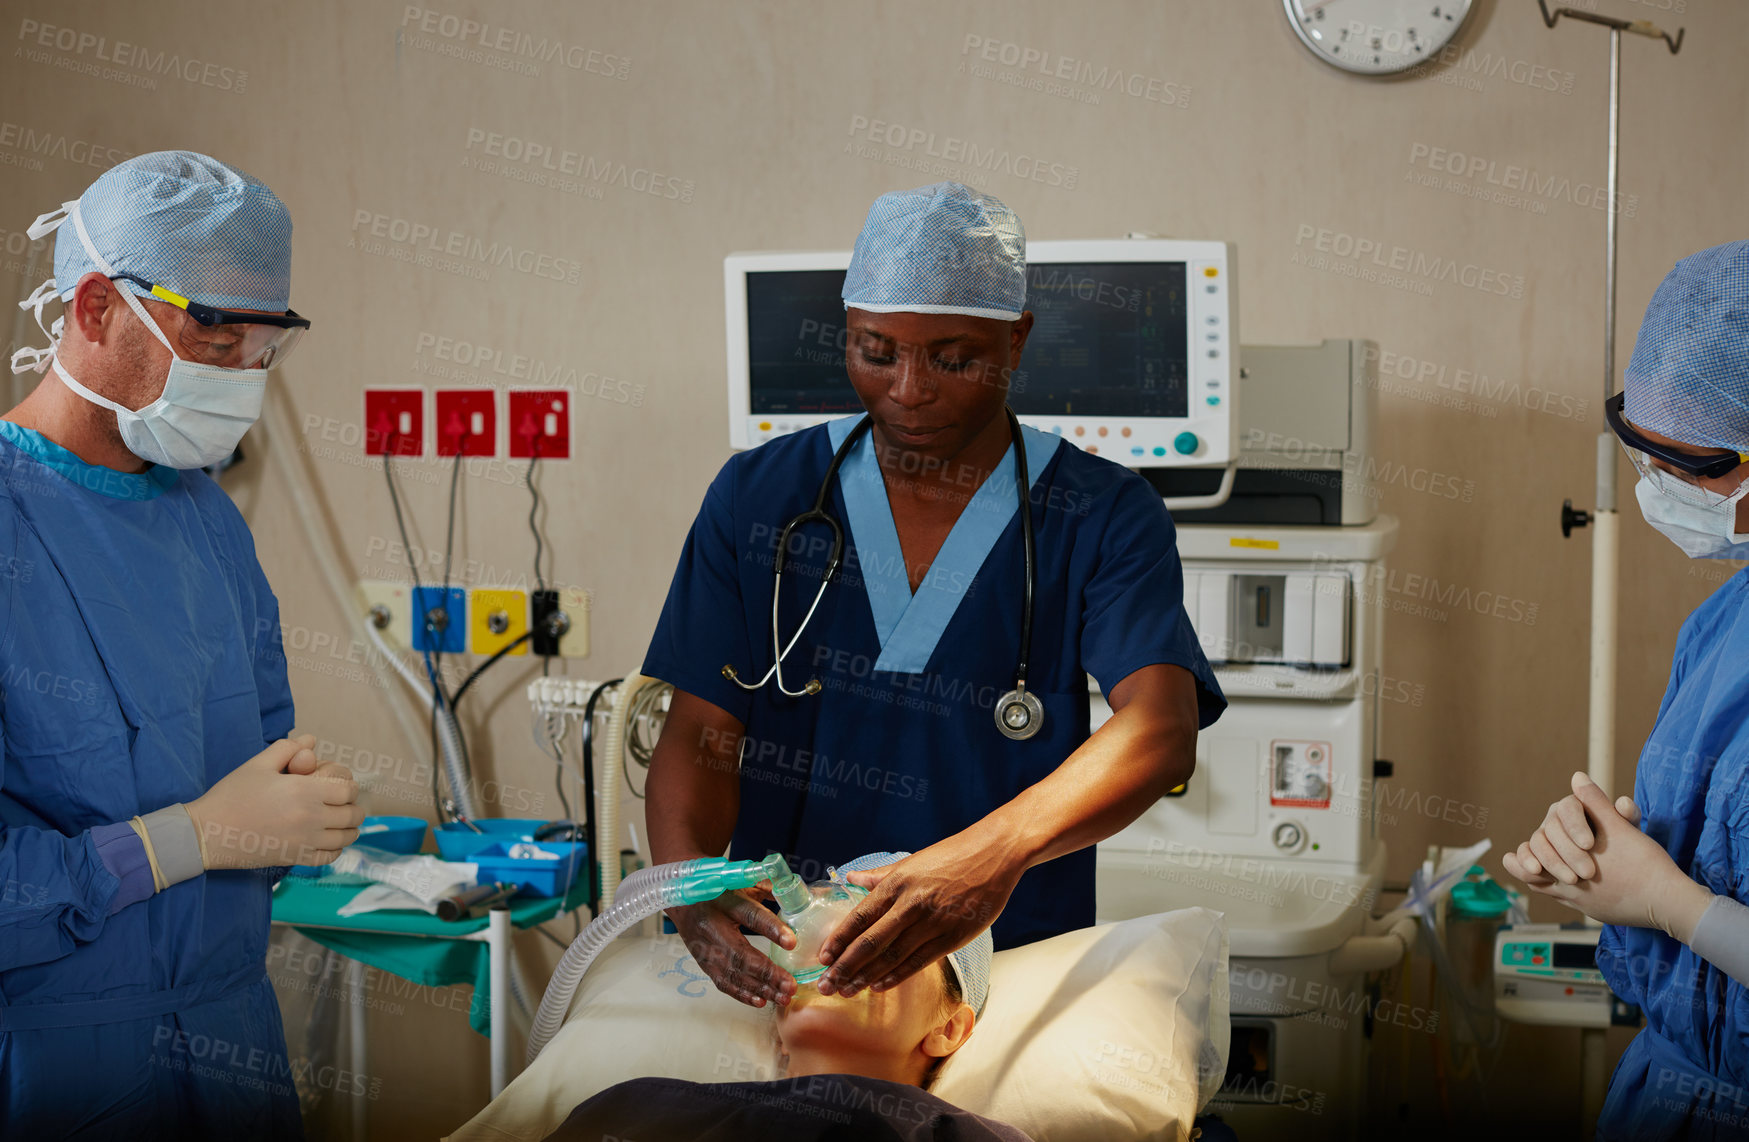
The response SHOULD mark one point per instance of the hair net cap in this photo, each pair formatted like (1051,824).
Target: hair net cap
(939,249)
(186,222)
(1689,376)
(971,964)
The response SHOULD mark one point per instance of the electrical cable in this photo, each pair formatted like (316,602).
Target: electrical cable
(423,620)
(434,662)
(540,583)
(644,710)
(481,669)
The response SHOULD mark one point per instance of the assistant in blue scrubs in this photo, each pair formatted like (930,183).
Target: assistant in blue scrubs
(1686,1075)
(1667,871)
(148,786)
(141,653)
(900,747)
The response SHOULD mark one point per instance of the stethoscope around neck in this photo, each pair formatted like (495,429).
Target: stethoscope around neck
(1019,713)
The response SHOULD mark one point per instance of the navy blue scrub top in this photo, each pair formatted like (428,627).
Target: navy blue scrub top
(900,748)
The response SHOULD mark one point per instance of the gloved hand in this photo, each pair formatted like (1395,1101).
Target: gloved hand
(712,931)
(1590,855)
(281,806)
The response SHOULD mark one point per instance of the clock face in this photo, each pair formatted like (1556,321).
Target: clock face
(1376,37)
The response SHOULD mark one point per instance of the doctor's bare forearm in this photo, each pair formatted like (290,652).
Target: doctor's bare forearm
(695,781)
(1147,748)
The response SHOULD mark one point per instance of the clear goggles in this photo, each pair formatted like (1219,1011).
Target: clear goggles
(1673,472)
(229,338)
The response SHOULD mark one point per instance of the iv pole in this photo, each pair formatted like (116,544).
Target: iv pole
(1605,587)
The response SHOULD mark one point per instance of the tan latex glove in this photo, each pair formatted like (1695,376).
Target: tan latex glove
(1591,855)
(280,807)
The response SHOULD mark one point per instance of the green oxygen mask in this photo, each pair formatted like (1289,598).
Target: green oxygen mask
(813,911)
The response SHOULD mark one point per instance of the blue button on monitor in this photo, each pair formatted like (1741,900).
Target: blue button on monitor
(1214,400)
(1137,450)
(1185,443)
(1159,450)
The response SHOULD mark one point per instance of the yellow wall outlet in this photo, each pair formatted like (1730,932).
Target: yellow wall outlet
(397,598)
(495,620)
(574,643)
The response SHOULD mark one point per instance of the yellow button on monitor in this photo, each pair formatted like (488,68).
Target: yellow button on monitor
(1211,272)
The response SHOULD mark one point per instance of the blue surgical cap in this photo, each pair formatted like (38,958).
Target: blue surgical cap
(186,222)
(971,964)
(939,249)
(1689,376)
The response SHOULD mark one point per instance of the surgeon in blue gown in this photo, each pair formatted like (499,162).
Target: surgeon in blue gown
(149,793)
(1667,870)
(919,634)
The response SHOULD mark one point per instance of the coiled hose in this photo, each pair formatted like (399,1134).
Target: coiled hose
(642,894)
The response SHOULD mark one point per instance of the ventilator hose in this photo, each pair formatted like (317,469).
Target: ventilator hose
(607,786)
(448,734)
(643,894)
(282,445)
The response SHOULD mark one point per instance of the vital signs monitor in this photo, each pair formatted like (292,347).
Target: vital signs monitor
(1133,353)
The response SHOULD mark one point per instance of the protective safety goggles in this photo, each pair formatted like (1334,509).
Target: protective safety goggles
(227,337)
(1655,462)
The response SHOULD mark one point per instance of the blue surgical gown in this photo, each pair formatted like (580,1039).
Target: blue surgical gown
(900,748)
(140,662)
(1686,1074)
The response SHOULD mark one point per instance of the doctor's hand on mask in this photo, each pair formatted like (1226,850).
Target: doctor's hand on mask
(280,807)
(712,931)
(1591,855)
(918,910)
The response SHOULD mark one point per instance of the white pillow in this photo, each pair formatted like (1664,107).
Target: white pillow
(1104,1034)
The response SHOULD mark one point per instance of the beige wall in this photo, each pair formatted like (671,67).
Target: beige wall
(749,108)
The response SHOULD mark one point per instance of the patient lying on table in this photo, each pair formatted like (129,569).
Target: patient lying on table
(857,1068)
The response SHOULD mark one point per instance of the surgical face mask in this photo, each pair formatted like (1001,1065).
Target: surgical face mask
(201,416)
(1703,532)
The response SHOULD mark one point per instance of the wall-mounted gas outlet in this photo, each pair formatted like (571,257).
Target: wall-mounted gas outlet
(495,620)
(396,601)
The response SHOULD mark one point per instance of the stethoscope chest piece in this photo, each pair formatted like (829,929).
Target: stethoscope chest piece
(1019,714)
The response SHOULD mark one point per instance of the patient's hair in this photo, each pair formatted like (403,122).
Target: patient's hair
(951,998)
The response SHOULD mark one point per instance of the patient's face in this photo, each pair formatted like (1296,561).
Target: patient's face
(896,1034)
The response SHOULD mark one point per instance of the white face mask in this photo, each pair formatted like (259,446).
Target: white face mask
(204,410)
(1702,532)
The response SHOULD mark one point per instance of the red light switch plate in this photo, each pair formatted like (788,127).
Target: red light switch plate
(394,422)
(540,424)
(466,422)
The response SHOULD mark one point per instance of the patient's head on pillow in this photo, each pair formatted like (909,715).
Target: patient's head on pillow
(903,1034)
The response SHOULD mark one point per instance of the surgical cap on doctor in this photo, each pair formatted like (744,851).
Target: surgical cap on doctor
(1689,375)
(939,249)
(186,222)
(970,965)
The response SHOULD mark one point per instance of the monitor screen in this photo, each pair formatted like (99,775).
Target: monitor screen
(1109,339)
(1574,956)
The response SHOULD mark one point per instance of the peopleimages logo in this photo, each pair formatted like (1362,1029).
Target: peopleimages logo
(921,146)
(121,61)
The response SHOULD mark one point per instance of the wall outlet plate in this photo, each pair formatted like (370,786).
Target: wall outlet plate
(540,605)
(574,601)
(466,421)
(452,639)
(394,421)
(509,609)
(540,423)
(398,599)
